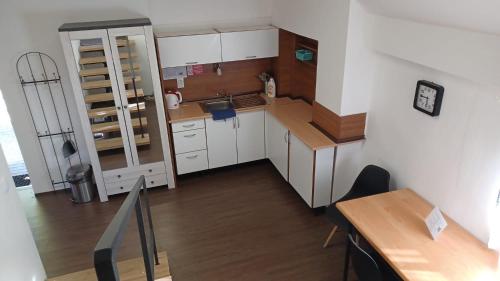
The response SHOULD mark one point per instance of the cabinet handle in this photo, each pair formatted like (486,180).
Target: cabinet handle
(121,187)
(234,123)
(118,108)
(192,62)
(251,57)
(190,136)
(188,126)
(238,118)
(119,176)
(125,106)
(150,170)
(192,157)
(152,182)
(286,137)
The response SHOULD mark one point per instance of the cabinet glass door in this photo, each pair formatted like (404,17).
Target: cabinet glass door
(137,92)
(100,93)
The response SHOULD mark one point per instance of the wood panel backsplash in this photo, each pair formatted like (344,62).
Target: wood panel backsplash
(294,78)
(237,77)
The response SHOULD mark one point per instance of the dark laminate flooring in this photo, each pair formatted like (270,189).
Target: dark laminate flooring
(238,223)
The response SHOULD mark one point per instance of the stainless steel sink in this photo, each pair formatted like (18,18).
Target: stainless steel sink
(243,101)
(210,106)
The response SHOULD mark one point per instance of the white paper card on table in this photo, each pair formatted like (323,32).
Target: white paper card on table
(435,222)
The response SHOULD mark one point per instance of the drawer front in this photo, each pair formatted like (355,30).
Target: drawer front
(191,162)
(188,141)
(127,185)
(134,172)
(188,125)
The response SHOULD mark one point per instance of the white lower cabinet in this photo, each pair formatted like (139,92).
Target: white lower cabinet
(311,172)
(277,144)
(250,136)
(301,159)
(191,162)
(221,142)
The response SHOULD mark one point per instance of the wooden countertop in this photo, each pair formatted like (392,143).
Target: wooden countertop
(393,223)
(293,114)
(296,115)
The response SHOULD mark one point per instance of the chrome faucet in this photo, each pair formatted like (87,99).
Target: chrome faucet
(224,95)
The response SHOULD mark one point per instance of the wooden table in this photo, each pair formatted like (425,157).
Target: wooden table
(393,223)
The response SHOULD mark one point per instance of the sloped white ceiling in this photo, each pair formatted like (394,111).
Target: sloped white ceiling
(475,15)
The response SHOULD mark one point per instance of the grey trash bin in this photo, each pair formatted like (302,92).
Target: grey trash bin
(80,180)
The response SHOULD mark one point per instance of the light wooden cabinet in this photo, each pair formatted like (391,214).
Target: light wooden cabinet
(182,50)
(277,144)
(311,172)
(221,142)
(249,44)
(116,83)
(250,136)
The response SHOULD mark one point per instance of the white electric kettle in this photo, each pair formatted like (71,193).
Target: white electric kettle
(173,99)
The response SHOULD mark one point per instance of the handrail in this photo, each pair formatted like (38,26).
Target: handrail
(107,246)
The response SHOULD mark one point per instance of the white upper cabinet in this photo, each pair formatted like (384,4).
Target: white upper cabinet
(181,50)
(249,44)
(250,136)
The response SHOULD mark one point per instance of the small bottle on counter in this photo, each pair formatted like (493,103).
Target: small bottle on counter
(271,88)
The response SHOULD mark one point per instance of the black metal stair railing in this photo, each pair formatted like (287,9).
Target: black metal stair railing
(109,243)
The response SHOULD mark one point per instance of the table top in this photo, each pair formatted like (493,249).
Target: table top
(393,223)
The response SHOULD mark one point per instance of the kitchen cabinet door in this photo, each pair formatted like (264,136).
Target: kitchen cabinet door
(301,163)
(250,136)
(189,50)
(253,44)
(277,144)
(221,142)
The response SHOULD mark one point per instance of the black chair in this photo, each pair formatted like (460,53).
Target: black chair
(368,268)
(372,180)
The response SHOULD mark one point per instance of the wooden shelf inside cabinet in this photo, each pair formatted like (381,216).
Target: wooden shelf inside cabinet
(308,47)
(89,85)
(92,98)
(111,111)
(114,126)
(102,59)
(310,63)
(114,143)
(98,47)
(104,70)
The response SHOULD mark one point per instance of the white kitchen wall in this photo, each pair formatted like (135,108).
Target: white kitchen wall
(19,258)
(209,12)
(325,21)
(452,160)
(31,25)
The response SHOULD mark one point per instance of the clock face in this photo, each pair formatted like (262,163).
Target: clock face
(426,98)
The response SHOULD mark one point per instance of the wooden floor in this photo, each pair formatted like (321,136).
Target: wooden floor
(243,223)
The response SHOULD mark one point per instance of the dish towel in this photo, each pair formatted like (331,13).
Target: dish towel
(223,114)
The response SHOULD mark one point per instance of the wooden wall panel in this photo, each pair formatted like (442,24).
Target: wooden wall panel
(294,78)
(237,77)
(340,128)
(284,63)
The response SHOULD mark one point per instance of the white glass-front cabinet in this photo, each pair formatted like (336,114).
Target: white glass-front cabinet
(117,89)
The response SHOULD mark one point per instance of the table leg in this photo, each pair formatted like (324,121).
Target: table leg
(347,254)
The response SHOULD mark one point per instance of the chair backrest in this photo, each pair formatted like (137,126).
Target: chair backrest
(372,180)
(364,265)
